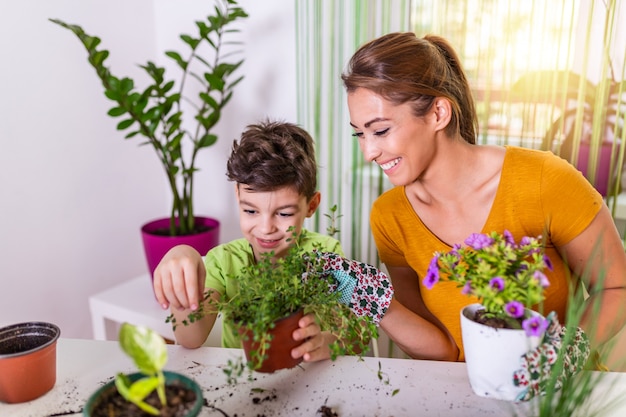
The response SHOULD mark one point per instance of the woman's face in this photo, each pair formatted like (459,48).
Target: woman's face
(392,136)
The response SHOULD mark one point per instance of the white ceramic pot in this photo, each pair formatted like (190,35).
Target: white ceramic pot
(493,355)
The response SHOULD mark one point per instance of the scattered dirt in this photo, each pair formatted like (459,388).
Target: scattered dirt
(325,411)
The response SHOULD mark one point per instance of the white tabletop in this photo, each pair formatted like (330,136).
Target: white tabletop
(350,387)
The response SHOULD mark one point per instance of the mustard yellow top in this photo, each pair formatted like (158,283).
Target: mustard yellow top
(538,191)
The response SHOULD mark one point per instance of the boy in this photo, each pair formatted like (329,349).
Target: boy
(275,174)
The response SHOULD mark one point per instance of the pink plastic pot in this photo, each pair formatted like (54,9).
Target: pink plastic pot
(604,179)
(28,360)
(156,243)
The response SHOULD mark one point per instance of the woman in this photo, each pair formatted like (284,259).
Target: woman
(413,114)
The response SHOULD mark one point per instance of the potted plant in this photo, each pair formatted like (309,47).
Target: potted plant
(274,293)
(151,390)
(28,360)
(156,114)
(507,279)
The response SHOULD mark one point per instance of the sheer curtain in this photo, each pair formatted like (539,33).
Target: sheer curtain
(328,34)
(544,74)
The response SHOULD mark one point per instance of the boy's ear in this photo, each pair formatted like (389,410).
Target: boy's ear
(314,203)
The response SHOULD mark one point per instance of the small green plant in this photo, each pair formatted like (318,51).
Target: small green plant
(156,112)
(333,216)
(147,349)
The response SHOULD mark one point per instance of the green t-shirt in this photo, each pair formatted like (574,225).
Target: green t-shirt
(227,260)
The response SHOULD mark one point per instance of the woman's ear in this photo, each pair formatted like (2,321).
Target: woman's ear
(314,203)
(443,112)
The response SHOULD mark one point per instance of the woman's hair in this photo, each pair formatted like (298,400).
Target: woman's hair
(405,69)
(272,155)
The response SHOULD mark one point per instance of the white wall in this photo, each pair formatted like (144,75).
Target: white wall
(73,192)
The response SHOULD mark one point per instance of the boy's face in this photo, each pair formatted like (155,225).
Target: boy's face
(265,217)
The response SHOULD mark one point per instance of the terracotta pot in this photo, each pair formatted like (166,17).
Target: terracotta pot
(156,243)
(493,355)
(28,360)
(279,351)
(94,400)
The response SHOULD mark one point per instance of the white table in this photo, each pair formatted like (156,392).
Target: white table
(133,301)
(351,388)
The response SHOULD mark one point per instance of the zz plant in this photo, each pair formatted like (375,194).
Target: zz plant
(156,112)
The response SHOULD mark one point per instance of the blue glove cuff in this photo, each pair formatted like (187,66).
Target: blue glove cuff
(345,285)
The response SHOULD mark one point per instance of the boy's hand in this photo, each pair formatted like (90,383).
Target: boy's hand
(364,288)
(537,365)
(315,343)
(179,279)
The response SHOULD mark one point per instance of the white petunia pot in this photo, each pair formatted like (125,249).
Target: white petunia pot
(493,355)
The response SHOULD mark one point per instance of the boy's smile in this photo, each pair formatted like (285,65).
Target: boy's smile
(266,216)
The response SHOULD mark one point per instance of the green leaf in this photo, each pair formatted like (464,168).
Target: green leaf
(90,42)
(167,87)
(192,42)
(214,81)
(179,60)
(125,124)
(112,95)
(116,111)
(209,100)
(126,85)
(206,141)
(145,346)
(99,57)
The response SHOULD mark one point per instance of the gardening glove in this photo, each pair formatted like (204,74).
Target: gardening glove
(366,290)
(537,364)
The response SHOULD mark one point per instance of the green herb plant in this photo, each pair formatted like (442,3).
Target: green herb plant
(148,351)
(272,289)
(156,112)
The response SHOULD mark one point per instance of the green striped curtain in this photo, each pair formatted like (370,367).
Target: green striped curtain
(328,33)
(528,63)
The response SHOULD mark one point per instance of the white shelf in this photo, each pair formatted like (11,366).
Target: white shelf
(134,302)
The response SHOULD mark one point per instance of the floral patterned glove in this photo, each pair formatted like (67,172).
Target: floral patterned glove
(537,364)
(364,288)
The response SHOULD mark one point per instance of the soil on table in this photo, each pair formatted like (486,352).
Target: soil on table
(180,400)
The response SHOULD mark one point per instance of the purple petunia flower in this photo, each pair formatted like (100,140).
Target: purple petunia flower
(541,278)
(525,241)
(548,262)
(432,275)
(478,241)
(514,309)
(508,237)
(497,283)
(535,326)
(467,288)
